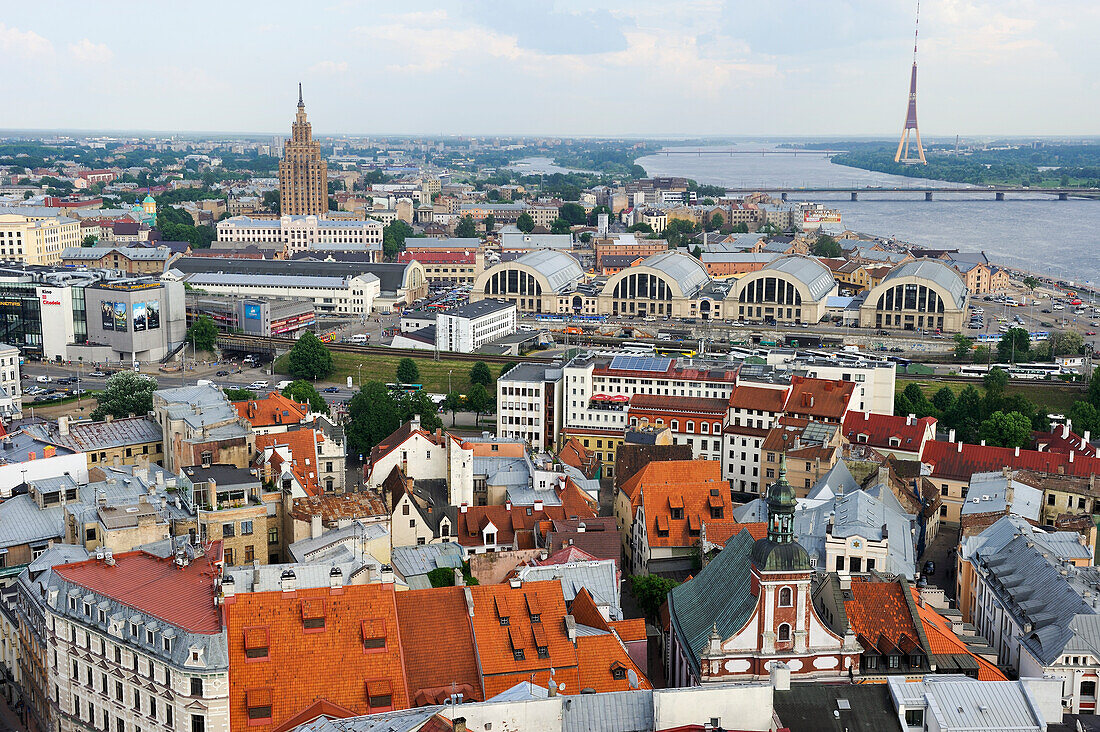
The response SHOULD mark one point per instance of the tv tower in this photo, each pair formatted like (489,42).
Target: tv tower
(902,155)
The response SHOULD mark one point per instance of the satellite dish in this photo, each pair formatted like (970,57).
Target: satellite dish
(561,686)
(632,678)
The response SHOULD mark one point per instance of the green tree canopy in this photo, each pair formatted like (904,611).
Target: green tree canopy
(309,359)
(239,395)
(480,374)
(525,223)
(490,223)
(1014,346)
(1092,396)
(965,416)
(1031,282)
(452,403)
(641,227)
(1064,342)
(304,392)
(1006,429)
(88,241)
(478,401)
(573,213)
(126,393)
(678,232)
(963,346)
(826,246)
(1085,417)
(943,400)
(394,235)
(372,416)
(466,228)
(559,226)
(272,201)
(203,333)
(407,372)
(715,221)
(650,592)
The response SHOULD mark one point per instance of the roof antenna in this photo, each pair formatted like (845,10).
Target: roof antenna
(300,102)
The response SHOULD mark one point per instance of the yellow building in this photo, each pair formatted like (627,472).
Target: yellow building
(128,441)
(303,173)
(37,240)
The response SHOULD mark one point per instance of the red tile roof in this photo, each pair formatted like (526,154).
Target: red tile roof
(580,457)
(272,410)
(629,630)
(949,460)
(879,616)
(431,620)
(877,429)
(303,665)
(600,537)
(183,596)
(302,444)
(585,611)
(1062,439)
(599,658)
(517,524)
(758,398)
(824,399)
(692,488)
(721,531)
(943,641)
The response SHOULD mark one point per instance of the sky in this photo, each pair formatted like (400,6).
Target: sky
(679,68)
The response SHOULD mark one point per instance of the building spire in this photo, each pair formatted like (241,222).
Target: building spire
(300,102)
(781,505)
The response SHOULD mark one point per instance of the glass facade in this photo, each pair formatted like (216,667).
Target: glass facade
(21,317)
(80,316)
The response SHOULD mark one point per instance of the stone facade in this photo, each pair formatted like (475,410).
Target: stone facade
(303,174)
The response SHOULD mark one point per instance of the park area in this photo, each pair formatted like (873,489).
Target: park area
(383,368)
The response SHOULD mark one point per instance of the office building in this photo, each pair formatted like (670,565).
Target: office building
(468,327)
(303,173)
(36,239)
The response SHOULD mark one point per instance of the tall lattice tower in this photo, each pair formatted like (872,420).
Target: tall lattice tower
(902,155)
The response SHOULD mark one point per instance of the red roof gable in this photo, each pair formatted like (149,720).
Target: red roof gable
(272,410)
(822,398)
(879,428)
(303,450)
(758,398)
(678,496)
(182,596)
(958,461)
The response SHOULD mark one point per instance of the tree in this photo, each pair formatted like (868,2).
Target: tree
(466,228)
(1014,345)
(715,221)
(239,395)
(304,392)
(697,252)
(525,223)
(490,222)
(965,416)
(372,417)
(480,374)
(739,228)
(272,201)
(309,359)
(826,246)
(943,400)
(452,403)
(407,372)
(420,404)
(678,232)
(963,345)
(982,353)
(203,333)
(650,592)
(507,367)
(442,577)
(1006,429)
(1064,342)
(559,226)
(394,235)
(573,213)
(1093,393)
(995,382)
(918,402)
(641,228)
(478,401)
(1085,417)
(88,241)
(1031,282)
(126,393)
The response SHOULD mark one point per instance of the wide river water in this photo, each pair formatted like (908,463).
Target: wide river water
(1033,232)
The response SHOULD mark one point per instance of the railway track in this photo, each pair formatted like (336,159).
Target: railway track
(977,380)
(263,344)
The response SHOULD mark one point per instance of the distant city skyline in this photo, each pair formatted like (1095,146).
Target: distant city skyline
(498,67)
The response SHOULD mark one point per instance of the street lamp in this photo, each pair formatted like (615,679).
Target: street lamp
(449,372)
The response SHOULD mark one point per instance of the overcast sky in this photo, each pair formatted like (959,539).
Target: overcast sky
(553,67)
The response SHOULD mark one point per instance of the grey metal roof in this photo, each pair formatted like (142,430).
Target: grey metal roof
(478,308)
(259,280)
(988,491)
(688,272)
(409,561)
(817,278)
(309,548)
(837,481)
(560,270)
(934,271)
(519,240)
(622,711)
(133,253)
(23,522)
(961,703)
(85,436)
(391,276)
(599,577)
(532,372)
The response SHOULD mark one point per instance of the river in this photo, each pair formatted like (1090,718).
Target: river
(1033,232)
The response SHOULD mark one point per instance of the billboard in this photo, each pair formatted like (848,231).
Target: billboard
(108,314)
(152,314)
(252,312)
(139,317)
(120,317)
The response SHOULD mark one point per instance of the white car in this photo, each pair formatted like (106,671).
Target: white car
(43,379)
(258,385)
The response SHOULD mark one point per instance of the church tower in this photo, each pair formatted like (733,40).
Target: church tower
(303,174)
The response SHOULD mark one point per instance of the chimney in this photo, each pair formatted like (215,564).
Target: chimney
(845,581)
(315,527)
(1087,437)
(460,581)
(780,676)
(910,420)
(1070,455)
(459,724)
(63,425)
(515,583)
(960,447)
(1065,430)
(983,443)
(335,578)
(538,504)
(464,507)
(229,586)
(1017,451)
(288,581)
(951,436)
(507,505)
(571,629)
(866,416)
(469,601)
(109,418)
(581,527)
(415,419)
(255,572)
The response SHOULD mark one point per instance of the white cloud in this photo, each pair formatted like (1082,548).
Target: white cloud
(329,67)
(86,51)
(24,43)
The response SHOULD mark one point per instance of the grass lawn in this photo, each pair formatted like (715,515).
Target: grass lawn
(1054,399)
(381,367)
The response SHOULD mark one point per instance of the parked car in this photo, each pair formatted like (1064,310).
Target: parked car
(331,390)
(97,374)
(258,385)
(222,373)
(43,379)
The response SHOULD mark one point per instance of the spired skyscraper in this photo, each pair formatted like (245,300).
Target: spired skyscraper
(303,174)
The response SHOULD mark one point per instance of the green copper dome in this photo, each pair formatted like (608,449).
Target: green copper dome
(779,552)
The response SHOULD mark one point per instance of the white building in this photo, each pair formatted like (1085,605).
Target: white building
(467,328)
(529,404)
(301,233)
(330,294)
(874,380)
(11,393)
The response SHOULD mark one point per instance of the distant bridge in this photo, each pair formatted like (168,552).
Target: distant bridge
(758,153)
(998,192)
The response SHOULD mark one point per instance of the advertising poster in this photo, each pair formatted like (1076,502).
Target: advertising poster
(139,317)
(152,314)
(108,309)
(120,317)
(252,312)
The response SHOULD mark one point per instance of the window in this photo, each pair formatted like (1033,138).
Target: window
(1088,688)
(677,514)
(618,672)
(118,691)
(544,652)
(198,723)
(120,725)
(943,510)
(249,554)
(379,695)
(893,660)
(914,661)
(246,528)
(168,714)
(785,597)
(196,686)
(870,662)
(273,535)
(229,557)
(207,458)
(258,703)
(517,654)
(914,718)
(784,633)
(256,643)
(229,529)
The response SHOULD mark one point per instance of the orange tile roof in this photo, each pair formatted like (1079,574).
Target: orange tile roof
(519,523)
(497,644)
(632,629)
(721,531)
(580,457)
(822,398)
(879,610)
(598,659)
(758,397)
(272,410)
(430,620)
(585,612)
(692,488)
(303,665)
(943,641)
(303,450)
(183,597)
(879,428)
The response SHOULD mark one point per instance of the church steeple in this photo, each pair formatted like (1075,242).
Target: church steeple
(781,505)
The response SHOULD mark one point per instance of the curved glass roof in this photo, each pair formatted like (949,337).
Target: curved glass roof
(560,270)
(687,271)
(935,271)
(817,278)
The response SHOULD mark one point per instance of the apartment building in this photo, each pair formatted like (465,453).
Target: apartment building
(35,240)
(11,389)
(466,328)
(529,407)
